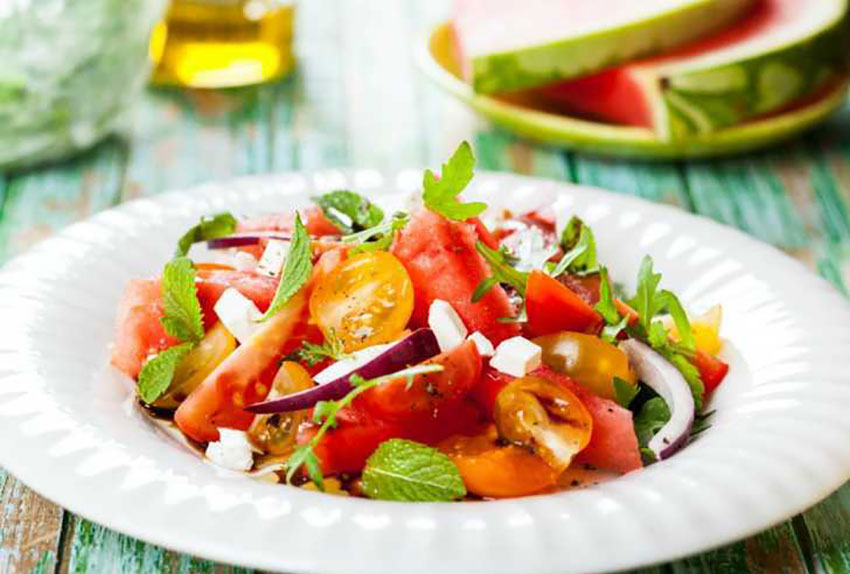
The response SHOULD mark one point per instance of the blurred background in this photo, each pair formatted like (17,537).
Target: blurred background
(253,86)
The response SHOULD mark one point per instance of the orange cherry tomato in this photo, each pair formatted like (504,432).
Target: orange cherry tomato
(545,417)
(366,300)
(494,470)
(553,307)
(276,434)
(587,359)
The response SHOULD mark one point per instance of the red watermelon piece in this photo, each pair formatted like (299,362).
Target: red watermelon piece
(442,261)
(138,330)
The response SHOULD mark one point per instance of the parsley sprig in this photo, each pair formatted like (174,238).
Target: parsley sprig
(440,195)
(296,271)
(325,413)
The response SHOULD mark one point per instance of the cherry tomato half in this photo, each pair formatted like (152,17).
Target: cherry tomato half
(275,434)
(587,359)
(543,416)
(553,307)
(495,470)
(366,300)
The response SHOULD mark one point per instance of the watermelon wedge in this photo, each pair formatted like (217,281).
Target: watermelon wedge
(510,45)
(783,53)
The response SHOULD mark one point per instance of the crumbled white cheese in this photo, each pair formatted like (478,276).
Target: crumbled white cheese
(447,325)
(232,450)
(244,261)
(516,357)
(273,258)
(353,361)
(530,248)
(485,347)
(239,315)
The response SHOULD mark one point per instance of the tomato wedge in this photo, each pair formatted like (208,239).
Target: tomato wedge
(712,370)
(396,400)
(553,307)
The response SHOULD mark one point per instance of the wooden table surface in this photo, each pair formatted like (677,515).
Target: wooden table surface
(358,100)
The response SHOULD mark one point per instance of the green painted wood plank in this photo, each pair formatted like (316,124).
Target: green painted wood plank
(661,182)
(499,151)
(829,526)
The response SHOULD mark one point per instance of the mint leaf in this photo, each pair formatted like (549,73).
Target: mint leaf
(440,195)
(155,377)
(183,318)
(209,227)
(502,270)
(296,271)
(578,243)
(412,472)
(349,211)
(624,392)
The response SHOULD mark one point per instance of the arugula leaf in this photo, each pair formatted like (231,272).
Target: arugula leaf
(360,212)
(412,472)
(326,415)
(688,370)
(645,301)
(503,272)
(680,318)
(652,417)
(624,392)
(296,272)
(606,307)
(575,235)
(155,377)
(378,238)
(183,318)
(440,195)
(209,227)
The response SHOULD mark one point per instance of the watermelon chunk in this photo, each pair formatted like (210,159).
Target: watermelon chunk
(783,52)
(442,262)
(138,330)
(509,45)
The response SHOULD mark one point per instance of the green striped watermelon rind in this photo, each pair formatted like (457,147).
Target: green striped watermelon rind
(436,58)
(699,101)
(573,57)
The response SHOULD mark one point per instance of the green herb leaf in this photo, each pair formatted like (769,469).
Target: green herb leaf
(503,272)
(680,317)
(440,195)
(689,371)
(412,472)
(646,301)
(296,271)
(380,237)
(652,417)
(624,392)
(313,354)
(209,227)
(305,455)
(359,212)
(579,247)
(606,306)
(483,288)
(157,374)
(183,317)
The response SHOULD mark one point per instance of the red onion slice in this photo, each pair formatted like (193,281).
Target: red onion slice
(668,382)
(243,239)
(419,346)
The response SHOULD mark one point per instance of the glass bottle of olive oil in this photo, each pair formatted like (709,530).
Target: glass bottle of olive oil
(223,43)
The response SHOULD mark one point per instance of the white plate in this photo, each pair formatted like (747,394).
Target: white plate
(780,440)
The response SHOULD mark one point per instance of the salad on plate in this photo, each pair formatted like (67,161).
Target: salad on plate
(435,354)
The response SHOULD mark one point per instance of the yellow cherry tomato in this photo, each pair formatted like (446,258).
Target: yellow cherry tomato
(492,469)
(545,417)
(275,434)
(366,300)
(590,361)
(216,345)
(705,328)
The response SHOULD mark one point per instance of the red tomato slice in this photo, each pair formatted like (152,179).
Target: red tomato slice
(314,220)
(712,370)
(553,307)
(429,392)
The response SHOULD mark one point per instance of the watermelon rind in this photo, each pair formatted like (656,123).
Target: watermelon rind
(701,97)
(437,59)
(534,66)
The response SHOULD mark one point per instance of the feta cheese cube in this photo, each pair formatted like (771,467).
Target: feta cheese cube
(485,347)
(232,450)
(238,314)
(244,261)
(516,357)
(447,325)
(273,258)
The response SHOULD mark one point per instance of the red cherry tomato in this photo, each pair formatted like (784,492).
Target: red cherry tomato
(712,370)
(553,307)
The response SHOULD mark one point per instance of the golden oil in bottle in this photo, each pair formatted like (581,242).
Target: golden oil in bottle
(223,43)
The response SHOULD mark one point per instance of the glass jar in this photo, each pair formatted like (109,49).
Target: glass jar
(223,43)
(69,67)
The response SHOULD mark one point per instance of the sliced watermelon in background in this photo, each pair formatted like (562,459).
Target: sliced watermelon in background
(782,53)
(512,45)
